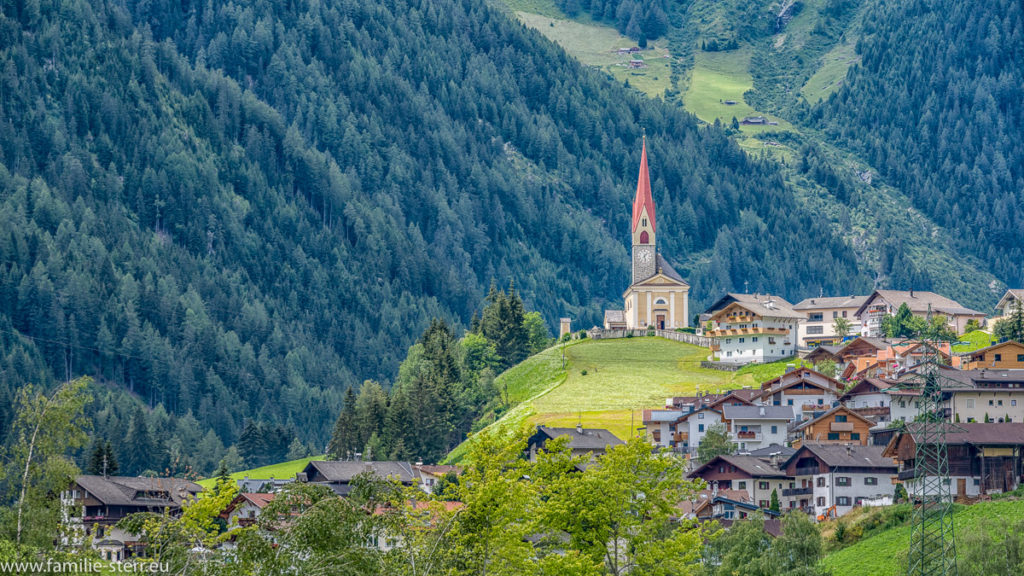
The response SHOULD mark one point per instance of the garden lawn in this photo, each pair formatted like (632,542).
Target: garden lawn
(974,341)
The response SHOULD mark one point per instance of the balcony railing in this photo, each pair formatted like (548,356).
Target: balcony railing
(807,471)
(907,474)
(747,435)
(798,491)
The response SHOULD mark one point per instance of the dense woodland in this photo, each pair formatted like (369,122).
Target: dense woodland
(641,20)
(937,106)
(233,212)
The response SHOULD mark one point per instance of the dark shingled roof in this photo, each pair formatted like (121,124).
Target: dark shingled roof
(668,270)
(344,471)
(752,465)
(981,433)
(846,455)
(589,439)
(769,451)
(131,490)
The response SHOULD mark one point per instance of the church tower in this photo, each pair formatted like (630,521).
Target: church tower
(658,297)
(644,246)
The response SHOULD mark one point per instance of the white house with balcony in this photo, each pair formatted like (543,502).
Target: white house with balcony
(803,391)
(756,427)
(882,303)
(754,328)
(831,479)
(821,314)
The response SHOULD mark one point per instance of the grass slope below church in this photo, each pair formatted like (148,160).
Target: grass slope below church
(879,555)
(608,383)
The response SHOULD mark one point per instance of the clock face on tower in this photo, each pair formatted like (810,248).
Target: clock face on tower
(645,256)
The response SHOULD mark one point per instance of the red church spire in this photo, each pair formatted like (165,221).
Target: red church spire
(643,192)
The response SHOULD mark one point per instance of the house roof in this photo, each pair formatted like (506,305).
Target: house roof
(580,439)
(343,471)
(1008,298)
(918,302)
(867,386)
(796,376)
(830,302)
(137,490)
(614,316)
(829,413)
(643,192)
(662,415)
(771,450)
(751,465)
(729,298)
(822,351)
(764,305)
(437,469)
(975,433)
(877,343)
(845,455)
(757,413)
(706,497)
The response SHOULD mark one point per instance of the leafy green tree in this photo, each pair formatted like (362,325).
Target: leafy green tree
(538,336)
(827,367)
(36,468)
(716,442)
(739,551)
(841,326)
(797,551)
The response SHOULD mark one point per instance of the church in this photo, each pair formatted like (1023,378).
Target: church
(657,296)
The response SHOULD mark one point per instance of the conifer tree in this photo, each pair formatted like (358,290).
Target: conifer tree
(344,439)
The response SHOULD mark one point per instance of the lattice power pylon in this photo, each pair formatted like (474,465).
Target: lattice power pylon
(932,542)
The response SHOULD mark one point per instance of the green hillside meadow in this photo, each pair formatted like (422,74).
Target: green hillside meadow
(608,383)
(879,555)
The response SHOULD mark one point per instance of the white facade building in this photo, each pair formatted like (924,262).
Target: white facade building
(756,328)
(756,427)
(834,478)
(821,315)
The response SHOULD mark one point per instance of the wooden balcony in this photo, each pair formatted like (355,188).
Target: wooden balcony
(841,427)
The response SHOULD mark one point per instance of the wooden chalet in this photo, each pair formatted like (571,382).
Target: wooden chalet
(1002,356)
(983,457)
(840,425)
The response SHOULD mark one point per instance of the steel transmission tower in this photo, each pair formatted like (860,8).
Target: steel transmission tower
(932,543)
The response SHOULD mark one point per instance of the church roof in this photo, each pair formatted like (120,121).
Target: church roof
(643,192)
(668,270)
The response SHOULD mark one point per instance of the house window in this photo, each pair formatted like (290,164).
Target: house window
(871,481)
(762,503)
(821,481)
(839,417)
(754,339)
(700,427)
(1013,402)
(742,485)
(999,357)
(903,403)
(729,353)
(775,429)
(842,480)
(700,416)
(815,329)
(844,313)
(835,314)
(742,340)
(821,500)
(833,435)
(970,402)
(977,481)
(815,317)
(843,501)
(990,402)
(762,485)
(728,340)
(999,403)
(1020,357)
(789,402)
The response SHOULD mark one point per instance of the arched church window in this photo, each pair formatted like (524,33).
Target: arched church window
(643,237)
(661,301)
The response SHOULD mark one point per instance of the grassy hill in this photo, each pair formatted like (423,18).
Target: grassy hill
(879,555)
(279,470)
(608,383)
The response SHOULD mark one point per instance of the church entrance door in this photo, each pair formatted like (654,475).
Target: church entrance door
(661,322)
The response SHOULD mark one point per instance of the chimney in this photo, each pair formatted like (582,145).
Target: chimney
(849,450)
(761,411)
(579,428)
(775,459)
(911,292)
(714,489)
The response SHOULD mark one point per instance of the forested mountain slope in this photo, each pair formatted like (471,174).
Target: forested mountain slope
(234,211)
(937,106)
